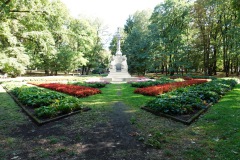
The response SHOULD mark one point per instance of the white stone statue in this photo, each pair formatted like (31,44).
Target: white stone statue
(118,43)
(124,63)
(118,66)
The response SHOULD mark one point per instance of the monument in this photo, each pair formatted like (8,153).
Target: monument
(118,70)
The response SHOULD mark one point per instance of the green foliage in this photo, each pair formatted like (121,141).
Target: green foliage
(47,103)
(46,112)
(43,32)
(13,59)
(182,104)
(151,83)
(169,25)
(91,84)
(35,97)
(156,140)
(185,100)
(136,43)
(67,105)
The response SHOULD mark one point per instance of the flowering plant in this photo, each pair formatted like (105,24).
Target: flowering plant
(79,91)
(159,89)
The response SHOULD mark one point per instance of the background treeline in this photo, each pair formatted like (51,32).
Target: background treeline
(177,36)
(181,35)
(41,34)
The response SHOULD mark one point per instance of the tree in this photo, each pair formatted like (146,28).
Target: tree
(136,42)
(218,27)
(169,25)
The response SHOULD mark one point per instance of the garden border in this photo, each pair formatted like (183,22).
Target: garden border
(35,119)
(187,122)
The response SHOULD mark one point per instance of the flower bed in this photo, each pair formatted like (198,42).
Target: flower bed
(93,84)
(189,100)
(159,89)
(44,106)
(148,82)
(78,91)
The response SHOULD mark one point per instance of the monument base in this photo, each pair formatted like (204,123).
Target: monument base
(119,79)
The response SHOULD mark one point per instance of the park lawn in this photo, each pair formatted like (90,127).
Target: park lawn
(115,93)
(215,135)
(10,116)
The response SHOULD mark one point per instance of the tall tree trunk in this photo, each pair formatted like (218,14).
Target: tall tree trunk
(83,70)
(166,70)
(88,70)
(227,67)
(171,67)
(46,72)
(162,69)
(215,61)
(204,57)
(237,68)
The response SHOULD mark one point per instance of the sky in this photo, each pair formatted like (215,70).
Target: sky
(113,13)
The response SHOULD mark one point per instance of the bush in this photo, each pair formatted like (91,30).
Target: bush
(176,104)
(46,112)
(67,105)
(36,97)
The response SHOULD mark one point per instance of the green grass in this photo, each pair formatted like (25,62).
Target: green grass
(219,129)
(9,113)
(10,117)
(115,93)
(215,135)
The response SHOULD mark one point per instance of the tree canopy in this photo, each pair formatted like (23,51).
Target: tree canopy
(176,36)
(42,34)
(182,35)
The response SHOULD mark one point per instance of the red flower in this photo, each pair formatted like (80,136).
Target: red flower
(79,91)
(159,89)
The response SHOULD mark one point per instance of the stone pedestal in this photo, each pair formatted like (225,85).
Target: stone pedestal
(118,71)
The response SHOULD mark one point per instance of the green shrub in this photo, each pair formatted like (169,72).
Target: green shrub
(36,97)
(46,112)
(67,105)
(182,104)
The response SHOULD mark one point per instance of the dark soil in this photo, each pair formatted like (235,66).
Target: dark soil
(116,139)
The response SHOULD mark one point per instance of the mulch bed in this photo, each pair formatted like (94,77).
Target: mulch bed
(185,119)
(40,121)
